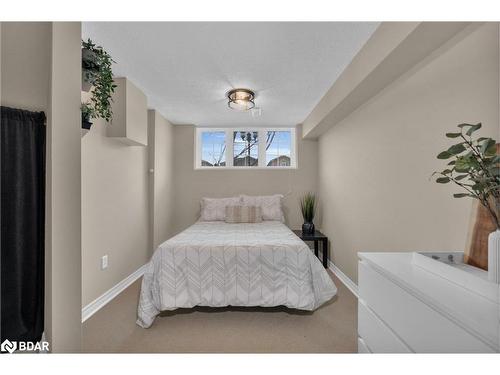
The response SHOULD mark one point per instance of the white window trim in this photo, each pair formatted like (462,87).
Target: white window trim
(229,149)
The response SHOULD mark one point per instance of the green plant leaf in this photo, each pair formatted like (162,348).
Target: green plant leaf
(456,149)
(102,79)
(486,145)
(308,206)
(465,163)
(491,150)
(473,128)
(444,155)
(474,165)
(443,180)
(462,169)
(495,171)
(480,185)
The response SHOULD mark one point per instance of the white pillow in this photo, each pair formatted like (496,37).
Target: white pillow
(214,209)
(269,204)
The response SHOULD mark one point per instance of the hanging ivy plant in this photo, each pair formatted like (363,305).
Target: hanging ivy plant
(96,69)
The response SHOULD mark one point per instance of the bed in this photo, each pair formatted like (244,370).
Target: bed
(219,264)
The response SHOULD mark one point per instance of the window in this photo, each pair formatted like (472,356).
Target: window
(213,149)
(278,145)
(245,148)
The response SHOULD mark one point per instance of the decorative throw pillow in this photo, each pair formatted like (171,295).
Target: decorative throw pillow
(269,204)
(243,214)
(214,209)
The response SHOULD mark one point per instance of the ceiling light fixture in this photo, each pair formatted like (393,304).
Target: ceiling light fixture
(241,99)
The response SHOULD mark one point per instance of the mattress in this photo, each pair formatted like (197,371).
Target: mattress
(219,264)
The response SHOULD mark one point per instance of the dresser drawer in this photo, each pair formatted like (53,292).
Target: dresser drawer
(422,328)
(376,335)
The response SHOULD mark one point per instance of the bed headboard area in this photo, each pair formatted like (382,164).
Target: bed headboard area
(192,185)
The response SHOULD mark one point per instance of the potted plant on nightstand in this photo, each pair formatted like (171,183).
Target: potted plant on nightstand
(98,75)
(475,168)
(308,207)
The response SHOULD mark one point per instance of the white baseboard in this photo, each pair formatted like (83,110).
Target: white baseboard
(351,285)
(102,300)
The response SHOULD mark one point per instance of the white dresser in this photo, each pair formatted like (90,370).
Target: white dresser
(404,308)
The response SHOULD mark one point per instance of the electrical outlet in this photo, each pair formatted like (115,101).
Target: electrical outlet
(104,262)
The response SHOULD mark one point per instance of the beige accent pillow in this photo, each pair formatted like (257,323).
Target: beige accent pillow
(269,204)
(243,214)
(214,209)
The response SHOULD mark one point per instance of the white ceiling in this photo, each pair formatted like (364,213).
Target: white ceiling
(185,69)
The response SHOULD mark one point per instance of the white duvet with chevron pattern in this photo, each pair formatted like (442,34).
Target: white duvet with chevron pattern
(218,264)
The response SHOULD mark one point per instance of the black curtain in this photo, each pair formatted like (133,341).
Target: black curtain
(22,152)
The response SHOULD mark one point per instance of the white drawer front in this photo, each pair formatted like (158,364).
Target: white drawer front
(422,328)
(377,336)
(362,348)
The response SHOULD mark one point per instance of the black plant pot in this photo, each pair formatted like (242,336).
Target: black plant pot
(86,124)
(308,228)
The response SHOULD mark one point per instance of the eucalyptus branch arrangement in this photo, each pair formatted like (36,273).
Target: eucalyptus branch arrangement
(96,67)
(308,207)
(474,168)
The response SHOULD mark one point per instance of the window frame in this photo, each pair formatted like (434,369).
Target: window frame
(229,148)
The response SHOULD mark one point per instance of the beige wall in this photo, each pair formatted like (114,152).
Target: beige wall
(374,166)
(40,66)
(126,210)
(115,213)
(64,286)
(26,61)
(161,198)
(191,185)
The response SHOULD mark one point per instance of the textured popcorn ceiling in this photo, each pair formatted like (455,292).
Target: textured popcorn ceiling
(186,69)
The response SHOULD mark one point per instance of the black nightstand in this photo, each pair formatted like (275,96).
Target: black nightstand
(316,237)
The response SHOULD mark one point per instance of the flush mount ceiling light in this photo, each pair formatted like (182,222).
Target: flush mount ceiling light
(241,99)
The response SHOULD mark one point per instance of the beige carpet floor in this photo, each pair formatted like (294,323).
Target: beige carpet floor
(330,329)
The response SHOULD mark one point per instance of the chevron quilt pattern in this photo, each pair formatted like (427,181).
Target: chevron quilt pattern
(219,264)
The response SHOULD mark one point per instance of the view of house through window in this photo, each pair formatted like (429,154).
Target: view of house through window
(235,148)
(278,149)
